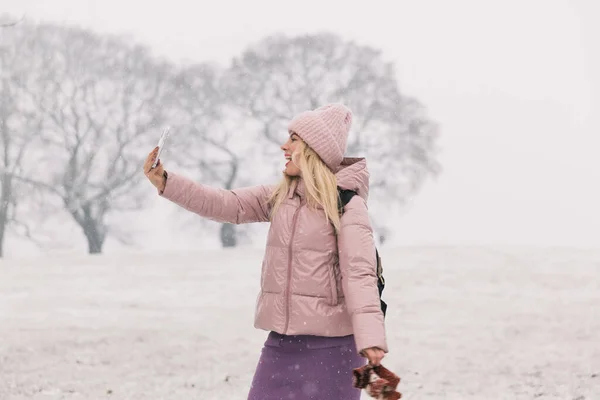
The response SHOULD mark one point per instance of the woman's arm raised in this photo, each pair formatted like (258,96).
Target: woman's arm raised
(236,206)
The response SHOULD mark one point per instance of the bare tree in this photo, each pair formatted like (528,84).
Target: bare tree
(281,76)
(208,141)
(19,125)
(102,102)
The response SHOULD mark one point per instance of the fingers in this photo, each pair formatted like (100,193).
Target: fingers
(378,358)
(158,170)
(150,160)
(374,356)
(375,359)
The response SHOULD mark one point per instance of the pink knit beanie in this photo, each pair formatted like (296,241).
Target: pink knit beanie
(325,130)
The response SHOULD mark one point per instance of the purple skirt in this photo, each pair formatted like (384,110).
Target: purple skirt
(304,367)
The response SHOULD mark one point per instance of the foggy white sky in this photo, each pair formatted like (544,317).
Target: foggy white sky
(515,86)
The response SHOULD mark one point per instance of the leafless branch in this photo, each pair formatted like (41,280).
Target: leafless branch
(12,23)
(101,99)
(280,76)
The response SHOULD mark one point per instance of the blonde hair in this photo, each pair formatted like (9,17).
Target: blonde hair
(320,185)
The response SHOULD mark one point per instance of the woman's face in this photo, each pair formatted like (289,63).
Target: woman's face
(291,150)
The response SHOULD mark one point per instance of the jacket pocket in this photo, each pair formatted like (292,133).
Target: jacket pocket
(333,286)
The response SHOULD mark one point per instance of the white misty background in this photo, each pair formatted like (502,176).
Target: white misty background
(509,92)
(480,124)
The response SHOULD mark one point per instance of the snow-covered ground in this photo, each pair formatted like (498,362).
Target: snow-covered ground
(463,323)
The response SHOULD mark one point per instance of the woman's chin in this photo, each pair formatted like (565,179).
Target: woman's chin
(291,174)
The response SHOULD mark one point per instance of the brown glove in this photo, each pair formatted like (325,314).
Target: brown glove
(378,381)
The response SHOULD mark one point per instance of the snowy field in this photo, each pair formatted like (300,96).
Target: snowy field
(464,323)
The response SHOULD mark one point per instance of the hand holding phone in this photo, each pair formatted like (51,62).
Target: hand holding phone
(161,145)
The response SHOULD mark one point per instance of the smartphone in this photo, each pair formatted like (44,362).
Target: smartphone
(161,145)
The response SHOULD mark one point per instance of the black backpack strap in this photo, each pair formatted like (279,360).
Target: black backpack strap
(380,281)
(344,198)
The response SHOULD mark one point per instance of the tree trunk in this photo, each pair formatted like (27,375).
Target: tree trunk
(94,239)
(229,231)
(228,235)
(92,229)
(2,230)
(4,205)
(382,239)
(91,224)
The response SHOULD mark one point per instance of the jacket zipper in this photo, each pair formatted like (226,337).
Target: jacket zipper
(289,271)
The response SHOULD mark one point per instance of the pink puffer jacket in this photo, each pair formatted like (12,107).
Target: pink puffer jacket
(313,282)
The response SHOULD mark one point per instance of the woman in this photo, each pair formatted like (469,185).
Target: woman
(318,291)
